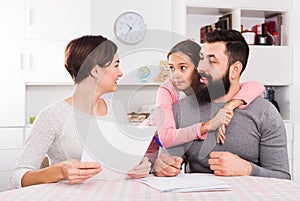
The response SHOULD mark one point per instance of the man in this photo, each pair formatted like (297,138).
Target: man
(255,143)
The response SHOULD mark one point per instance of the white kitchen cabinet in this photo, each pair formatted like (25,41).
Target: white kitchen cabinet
(10,157)
(11,34)
(12,88)
(57,19)
(49,26)
(4,175)
(11,143)
(12,107)
(270,65)
(11,138)
(45,61)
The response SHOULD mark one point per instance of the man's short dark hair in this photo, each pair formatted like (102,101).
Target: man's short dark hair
(237,48)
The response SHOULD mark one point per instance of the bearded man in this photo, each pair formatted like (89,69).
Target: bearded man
(256,142)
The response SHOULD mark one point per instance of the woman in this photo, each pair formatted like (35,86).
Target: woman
(93,63)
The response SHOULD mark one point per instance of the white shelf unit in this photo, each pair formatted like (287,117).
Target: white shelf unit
(270,65)
(132,95)
(40,95)
(136,98)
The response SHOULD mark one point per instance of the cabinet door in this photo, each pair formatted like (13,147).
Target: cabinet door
(11,138)
(11,143)
(11,34)
(57,19)
(12,88)
(4,180)
(10,158)
(12,107)
(45,61)
(270,65)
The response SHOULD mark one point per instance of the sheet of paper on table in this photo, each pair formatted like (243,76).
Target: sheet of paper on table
(186,183)
(117,147)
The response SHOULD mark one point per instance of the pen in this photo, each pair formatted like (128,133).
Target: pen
(160,144)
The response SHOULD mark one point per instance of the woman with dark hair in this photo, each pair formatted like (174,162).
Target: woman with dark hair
(93,63)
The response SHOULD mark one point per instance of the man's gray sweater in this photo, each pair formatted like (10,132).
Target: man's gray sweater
(256,134)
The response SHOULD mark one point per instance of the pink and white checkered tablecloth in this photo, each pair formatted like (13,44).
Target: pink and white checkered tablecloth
(242,188)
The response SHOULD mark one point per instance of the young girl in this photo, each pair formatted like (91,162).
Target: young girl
(183,60)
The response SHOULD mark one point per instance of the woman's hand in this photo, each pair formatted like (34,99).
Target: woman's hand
(75,171)
(141,170)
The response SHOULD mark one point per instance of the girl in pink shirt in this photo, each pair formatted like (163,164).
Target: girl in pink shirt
(183,60)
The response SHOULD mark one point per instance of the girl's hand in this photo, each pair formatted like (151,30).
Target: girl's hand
(141,170)
(224,116)
(75,171)
(221,134)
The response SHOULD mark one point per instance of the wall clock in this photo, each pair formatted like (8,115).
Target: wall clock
(130,28)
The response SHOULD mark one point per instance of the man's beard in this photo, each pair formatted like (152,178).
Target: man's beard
(214,89)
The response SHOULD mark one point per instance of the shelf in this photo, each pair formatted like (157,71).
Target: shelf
(280,5)
(42,94)
(206,11)
(49,83)
(140,84)
(258,13)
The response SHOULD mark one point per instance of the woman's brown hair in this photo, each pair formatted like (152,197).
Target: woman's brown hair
(82,54)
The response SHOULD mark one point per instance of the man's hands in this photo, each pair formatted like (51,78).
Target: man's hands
(228,164)
(221,163)
(167,166)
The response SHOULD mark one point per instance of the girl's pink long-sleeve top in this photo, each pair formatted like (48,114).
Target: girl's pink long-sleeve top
(168,94)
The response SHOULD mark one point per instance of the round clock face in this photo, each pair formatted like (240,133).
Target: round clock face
(130,28)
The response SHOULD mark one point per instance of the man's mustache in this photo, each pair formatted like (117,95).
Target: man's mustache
(205,76)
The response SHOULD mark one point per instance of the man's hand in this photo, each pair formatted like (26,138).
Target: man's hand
(167,166)
(228,164)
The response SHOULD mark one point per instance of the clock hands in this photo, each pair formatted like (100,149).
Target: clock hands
(134,22)
(130,27)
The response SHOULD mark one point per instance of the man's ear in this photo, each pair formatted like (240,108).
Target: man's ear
(235,70)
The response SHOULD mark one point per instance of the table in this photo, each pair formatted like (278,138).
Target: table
(242,188)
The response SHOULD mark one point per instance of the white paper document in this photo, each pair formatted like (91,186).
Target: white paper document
(117,147)
(186,183)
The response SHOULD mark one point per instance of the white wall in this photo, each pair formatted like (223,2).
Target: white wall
(296,87)
(156,13)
